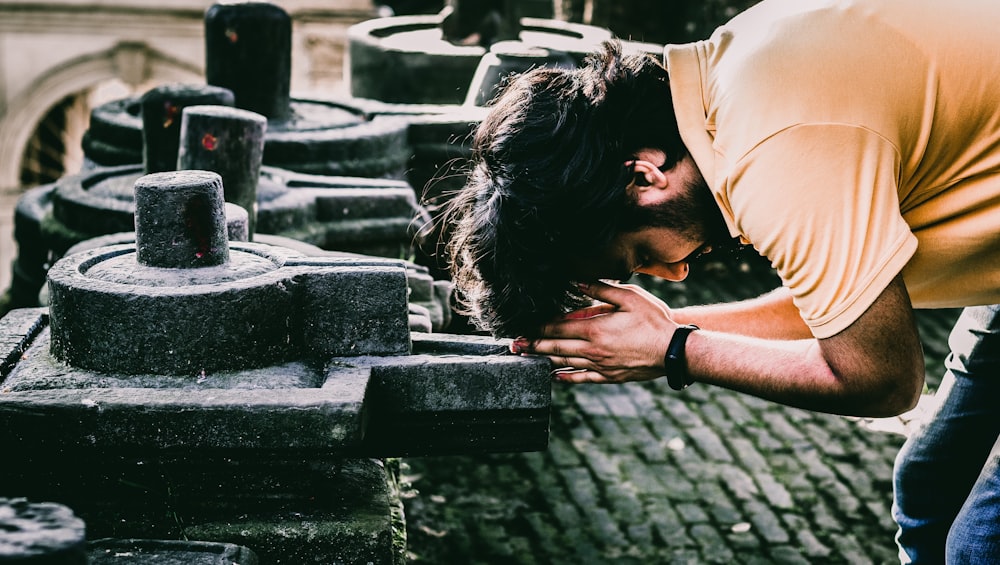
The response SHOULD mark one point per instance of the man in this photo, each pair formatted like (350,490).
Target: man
(854,143)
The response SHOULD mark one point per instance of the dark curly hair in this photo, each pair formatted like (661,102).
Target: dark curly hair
(547,184)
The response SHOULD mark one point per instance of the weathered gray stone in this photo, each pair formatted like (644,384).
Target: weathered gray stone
(287,507)
(206,309)
(230,142)
(180,220)
(419,404)
(248,52)
(237,223)
(17,331)
(428,307)
(109,551)
(406,59)
(354,311)
(40,533)
(161,111)
(248,314)
(486,22)
(359,531)
(45,403)
(51,219)
(238,402)
(248,49)
(430,405)
(29,267)
(508,58)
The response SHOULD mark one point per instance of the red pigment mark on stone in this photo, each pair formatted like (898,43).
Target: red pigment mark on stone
(197,215)
(169,114)
(232,36)
(209,142)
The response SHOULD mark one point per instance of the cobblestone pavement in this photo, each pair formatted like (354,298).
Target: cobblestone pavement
(642,474)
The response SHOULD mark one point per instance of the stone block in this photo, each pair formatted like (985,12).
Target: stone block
(425,404)
(354,311)
(40,532)
(111,551)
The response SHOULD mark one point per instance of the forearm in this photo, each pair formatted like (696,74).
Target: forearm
(874,367)
(791,372)
(770,316)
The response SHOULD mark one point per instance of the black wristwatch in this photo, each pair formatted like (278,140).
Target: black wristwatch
(675,362)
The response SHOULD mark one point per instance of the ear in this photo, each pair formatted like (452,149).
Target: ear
(654,176)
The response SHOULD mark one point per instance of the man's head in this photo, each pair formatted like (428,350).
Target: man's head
(551,185)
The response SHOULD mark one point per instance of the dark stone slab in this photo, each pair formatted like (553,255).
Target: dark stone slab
(302,507)
(360,310)
(45,403)
(361,532)
(325,137)
(429,299)
(460,394)
(439,405)
(29,267)
(17,330)
(508,58)
(109,551)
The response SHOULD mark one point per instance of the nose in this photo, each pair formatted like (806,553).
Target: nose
(675,272)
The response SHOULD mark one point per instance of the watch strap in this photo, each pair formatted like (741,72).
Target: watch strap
(675,361)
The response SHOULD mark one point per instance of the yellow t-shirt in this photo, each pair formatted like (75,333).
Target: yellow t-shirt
(851,140)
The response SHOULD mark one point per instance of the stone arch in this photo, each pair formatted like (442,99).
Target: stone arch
(134,63)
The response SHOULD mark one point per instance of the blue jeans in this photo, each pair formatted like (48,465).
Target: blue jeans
(947,475)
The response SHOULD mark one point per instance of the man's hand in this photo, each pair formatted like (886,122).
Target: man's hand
(872,368)
(622,339)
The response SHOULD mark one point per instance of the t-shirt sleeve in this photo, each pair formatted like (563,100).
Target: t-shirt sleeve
(821,202)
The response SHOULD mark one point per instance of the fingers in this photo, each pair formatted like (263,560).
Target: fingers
(589,312)
(622,297)
(562,352)
(616,295)
(562,330)
(577,376)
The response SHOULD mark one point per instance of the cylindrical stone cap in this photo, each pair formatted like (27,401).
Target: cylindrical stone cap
(507,58)
(248,49)
(228,141)
(237,223)
(245,129)
(180,220)
(40,532)
(162,108)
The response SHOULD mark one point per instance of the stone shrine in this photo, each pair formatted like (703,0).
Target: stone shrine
(236,392)
(349,214)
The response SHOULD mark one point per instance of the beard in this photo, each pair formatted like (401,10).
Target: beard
(693,213)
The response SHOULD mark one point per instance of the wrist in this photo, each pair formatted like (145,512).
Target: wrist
(675,363)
